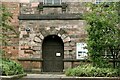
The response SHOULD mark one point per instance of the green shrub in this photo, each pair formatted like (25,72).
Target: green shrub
(10,67)
(90,71)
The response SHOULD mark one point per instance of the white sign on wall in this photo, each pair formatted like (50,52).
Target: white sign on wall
(81,51)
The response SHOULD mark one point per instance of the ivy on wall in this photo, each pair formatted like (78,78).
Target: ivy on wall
(5,25)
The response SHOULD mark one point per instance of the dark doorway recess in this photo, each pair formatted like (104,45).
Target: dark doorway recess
(53,54)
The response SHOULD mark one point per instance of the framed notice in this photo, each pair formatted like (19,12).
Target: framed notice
(81,51)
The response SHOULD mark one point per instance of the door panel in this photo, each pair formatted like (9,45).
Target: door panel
(51,62)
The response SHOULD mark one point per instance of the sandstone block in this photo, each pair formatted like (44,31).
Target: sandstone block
(68,48)
(28,52)
(67,39)
(37,39)
(36,48)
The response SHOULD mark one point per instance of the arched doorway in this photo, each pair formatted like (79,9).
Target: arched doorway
(53,54)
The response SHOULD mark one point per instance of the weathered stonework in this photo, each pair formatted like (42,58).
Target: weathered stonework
(70,31)
(13,41)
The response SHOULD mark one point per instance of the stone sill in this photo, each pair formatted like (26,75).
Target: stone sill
(75,60)
(52,5)
(41,5)
(39,59)
(30,59)
(64,60)
(13,76)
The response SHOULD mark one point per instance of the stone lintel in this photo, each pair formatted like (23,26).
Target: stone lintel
(63,16)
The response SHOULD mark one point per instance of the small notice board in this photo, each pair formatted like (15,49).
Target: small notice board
(81,51)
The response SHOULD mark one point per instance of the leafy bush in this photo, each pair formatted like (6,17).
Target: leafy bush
(90,71)
(10,67)
(103,32)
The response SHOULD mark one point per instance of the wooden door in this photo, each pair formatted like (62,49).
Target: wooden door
(53,49)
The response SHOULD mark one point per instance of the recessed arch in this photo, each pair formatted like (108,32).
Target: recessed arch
(53,54)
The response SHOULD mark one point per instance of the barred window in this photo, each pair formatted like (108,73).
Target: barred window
(98,1)
(47,1)
(52,1)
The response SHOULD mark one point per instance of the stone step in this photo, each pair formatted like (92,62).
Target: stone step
(59,77)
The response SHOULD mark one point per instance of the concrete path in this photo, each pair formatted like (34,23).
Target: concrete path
(44,76)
